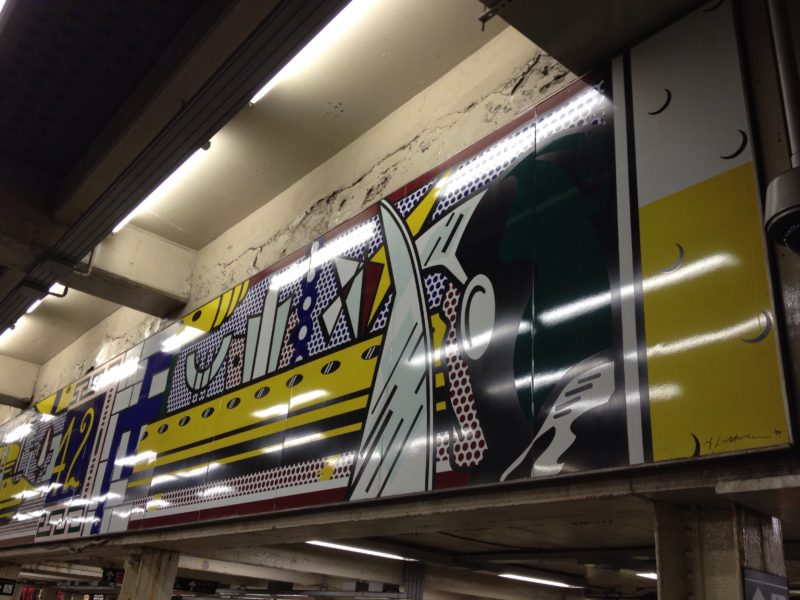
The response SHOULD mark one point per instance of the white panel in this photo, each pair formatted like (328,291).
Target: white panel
(694,63)
(158,383)
(112,424)
(116,493)
(123,442)
(153,344)
(122,399)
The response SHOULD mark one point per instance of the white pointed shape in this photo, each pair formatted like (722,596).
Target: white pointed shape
(345,269)
(353,300)
(330,315)
(437,246)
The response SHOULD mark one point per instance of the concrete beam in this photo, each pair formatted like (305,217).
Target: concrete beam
(623,494)
(210,568)
(596,32)
(63,571)
(345,565)
(17,379)
(139,270)
(26,229)
(212,35)
(149,575)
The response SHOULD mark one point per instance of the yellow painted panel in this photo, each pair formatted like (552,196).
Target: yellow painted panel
(47,405)
(712,358)
(383,282)
(352,428)
(213,313)
(224,304)
(353,375)
(290,422)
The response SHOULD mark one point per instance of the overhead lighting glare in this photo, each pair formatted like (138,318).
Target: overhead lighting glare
(174,342)
(167,185)
(131,461)
(33,306)
(5,335)
(650,575)
(357,550)
(18,433)
(318,46)
(57,289)
(550,582)
(115,374)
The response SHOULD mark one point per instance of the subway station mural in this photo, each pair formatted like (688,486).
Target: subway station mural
(587,289)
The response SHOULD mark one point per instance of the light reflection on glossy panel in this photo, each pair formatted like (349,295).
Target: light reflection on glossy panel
(466,332)
(712,355)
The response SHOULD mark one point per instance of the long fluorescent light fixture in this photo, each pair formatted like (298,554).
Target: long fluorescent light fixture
(357,550)
(318,46)
(33,306)
(550,582)
(56,289)
(162,189)
(650,575)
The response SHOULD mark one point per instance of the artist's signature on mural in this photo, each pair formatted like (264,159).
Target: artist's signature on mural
(721,441)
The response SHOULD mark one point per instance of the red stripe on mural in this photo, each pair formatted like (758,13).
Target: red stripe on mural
(266,506)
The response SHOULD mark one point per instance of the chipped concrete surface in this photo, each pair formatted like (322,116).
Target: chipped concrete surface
(114,335)
(498,82)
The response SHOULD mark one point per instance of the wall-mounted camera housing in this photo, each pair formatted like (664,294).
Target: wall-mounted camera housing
(782,211)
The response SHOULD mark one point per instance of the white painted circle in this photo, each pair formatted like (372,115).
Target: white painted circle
(476,316)
(303,332)
(307,303)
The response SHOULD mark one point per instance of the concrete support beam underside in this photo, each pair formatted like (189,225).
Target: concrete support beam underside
(149,575)
(17,379)
(139,270)
(619,493)
(701,550)
(344,566)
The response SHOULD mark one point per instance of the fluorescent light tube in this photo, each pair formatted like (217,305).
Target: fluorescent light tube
(648,575)
(162,189)
(57,289)
(33,307)
(357,550)
(318,46)
(550,582)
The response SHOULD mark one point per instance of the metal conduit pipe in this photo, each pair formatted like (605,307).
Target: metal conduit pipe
(782,212)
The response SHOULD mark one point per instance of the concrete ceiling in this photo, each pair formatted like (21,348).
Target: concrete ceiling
(391,52)
(394,50)
(54,325)
(582,35)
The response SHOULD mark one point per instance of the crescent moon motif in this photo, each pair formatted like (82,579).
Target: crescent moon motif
(678,262)
(663,106)
(696,452)
(740,149)
(764,333)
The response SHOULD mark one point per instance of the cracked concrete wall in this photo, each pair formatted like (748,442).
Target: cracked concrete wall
(501,80)
(114,335)
(498,82)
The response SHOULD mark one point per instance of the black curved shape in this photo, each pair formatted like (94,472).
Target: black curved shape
(696,452)
(740,149)
(663,106)
(764,333)
(681,257)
